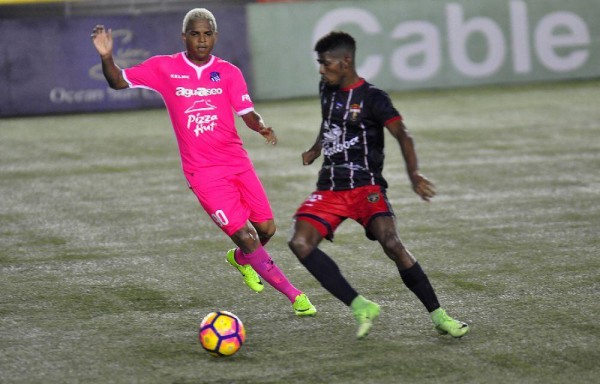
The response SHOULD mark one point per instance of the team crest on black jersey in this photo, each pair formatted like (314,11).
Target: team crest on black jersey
(373,197)
(354,111)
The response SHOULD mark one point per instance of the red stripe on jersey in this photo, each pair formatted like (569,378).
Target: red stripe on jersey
(393,119)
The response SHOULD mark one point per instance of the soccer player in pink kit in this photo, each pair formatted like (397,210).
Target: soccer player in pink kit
(200,90)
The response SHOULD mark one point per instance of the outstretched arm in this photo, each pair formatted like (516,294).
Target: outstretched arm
(255,122)
(421,185)
(103,42)
(311,154)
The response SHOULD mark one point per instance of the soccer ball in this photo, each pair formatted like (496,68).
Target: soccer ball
(222,333)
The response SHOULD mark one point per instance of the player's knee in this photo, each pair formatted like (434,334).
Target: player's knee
(398,253)
(270,231)
(300,246)
(245,238)
(392,245)
(266,230)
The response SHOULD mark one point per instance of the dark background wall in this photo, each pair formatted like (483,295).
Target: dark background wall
(49,65)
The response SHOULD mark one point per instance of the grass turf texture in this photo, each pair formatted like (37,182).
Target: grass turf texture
(108,263)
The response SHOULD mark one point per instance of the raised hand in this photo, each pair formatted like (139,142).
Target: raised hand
(103,40)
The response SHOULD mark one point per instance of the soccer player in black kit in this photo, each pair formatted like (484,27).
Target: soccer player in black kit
(351,185)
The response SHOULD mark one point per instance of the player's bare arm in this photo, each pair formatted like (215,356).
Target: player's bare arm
(103,42)
(255,122)
(421,185)
(311,154)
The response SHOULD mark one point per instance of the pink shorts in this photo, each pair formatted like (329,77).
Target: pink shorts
(233,200)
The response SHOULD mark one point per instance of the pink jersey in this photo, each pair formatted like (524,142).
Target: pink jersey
(200,101)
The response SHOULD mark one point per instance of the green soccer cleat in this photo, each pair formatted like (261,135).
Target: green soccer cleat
(365,312)
(303,307)
(250,276)
(444,324)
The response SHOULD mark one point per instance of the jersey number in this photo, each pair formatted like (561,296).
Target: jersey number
(220,218)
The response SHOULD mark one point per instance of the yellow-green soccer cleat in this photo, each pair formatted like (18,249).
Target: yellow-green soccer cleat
(365,312)
(250,276)
(303,307)
(444,324)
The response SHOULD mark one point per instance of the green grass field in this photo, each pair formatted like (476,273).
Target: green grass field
(108,262)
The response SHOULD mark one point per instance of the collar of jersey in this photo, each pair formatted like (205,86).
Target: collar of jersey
(198,69)
(355,85)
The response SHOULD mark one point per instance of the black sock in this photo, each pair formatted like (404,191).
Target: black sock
(416,280)
(326,271)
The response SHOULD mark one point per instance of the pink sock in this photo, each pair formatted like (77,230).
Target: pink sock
(266,268)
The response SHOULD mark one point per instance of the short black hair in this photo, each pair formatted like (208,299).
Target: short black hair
(336,40)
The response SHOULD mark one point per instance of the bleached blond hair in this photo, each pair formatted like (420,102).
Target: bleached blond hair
(202,14)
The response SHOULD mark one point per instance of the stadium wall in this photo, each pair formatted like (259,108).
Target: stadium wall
(48,64)
(407,44)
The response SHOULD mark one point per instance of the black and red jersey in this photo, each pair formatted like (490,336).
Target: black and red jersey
(352,135)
